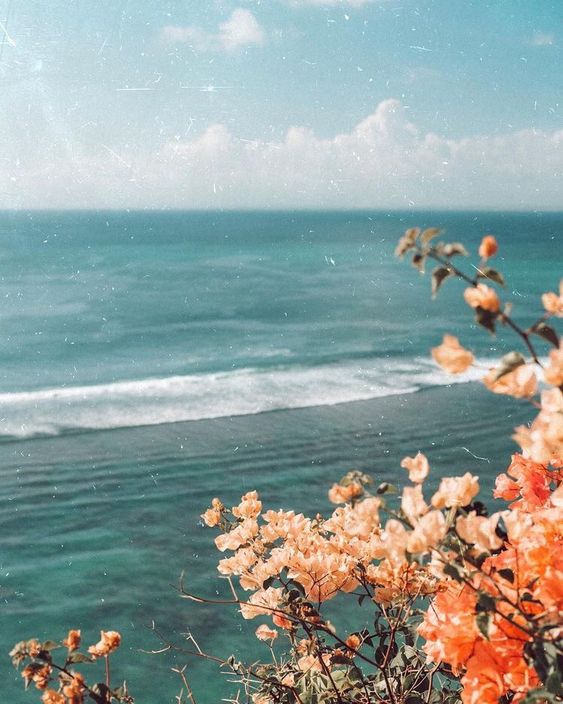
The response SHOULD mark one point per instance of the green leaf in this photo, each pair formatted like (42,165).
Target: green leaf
(486,602)
(439,275)
(547,332)
(492,274)
(50,645)
(507,574)
(452,571)
(485,318)
(429,234)
(483,621)
(418,261)
(79,657)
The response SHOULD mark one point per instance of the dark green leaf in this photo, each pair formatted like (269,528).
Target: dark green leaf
(509,363)
(418,261)
(452,571)
(486,602)
(50,645)
(439,275)
(507,574)
(547,332)
(483,621)
(485,318)
(491,274)
(79,657)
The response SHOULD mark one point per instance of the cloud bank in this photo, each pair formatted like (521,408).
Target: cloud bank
(385,161)
(239,31)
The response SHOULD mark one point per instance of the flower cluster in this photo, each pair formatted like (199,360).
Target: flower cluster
(59,682)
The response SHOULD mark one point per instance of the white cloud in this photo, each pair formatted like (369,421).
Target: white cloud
(385,161)
(543,39)
(240,30)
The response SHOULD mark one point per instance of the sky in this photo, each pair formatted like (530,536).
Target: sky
(271,104)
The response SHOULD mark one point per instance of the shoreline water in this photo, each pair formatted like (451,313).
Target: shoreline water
(99,525)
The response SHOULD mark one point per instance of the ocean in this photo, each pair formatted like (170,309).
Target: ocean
(151,361)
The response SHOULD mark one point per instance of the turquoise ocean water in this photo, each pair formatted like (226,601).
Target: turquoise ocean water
(151,361)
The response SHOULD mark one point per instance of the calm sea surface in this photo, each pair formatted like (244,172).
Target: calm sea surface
(149,362)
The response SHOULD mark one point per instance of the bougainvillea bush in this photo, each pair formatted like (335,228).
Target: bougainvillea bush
(461,605)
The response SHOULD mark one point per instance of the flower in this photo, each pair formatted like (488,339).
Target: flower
(417,467)
(238,536)
(554,373)
(553,303)
(339,494)
(481,296)
(479,531)
(543,440)
(519,383)
(249,507)
(52,697)
(72,641)
(109,641)
(412,502)
(451,356)
(74,688)
(488,247)
(39,676)
(263,632)
(212,516)
(456,491)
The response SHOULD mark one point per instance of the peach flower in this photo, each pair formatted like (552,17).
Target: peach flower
(488,247)
(72,641)
(339,494)
(554,373)
(109,641)
(238,536)
(249,507)
(417,467)
(40,677)
(52,697)
(212,516)
(481,296)
(412,503)
(74,688)
(456,491)
(264,632)
(451,356)
(519,383)
(479,531)
(553,303)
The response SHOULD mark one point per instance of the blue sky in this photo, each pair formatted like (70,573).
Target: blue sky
(281,103)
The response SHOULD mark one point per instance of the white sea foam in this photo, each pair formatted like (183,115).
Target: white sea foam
(194,397)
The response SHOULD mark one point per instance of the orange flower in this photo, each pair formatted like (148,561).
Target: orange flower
(553,303)
(531,480)
(412,503)
(456,491)
(554,373)
(339,494)
(74,688)
(353,642)
(40,676)
(481,296)
(488,247)
(451,356)
(519,383)
(212,516)
(109,641)
(72,641)
(52,697)
(263,632)
(417,467)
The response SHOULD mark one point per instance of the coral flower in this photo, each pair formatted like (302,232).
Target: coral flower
(339,494)
(519,383)
(264,632)
(553,303)
(451,356)
(72,641)
(456,491)
(250,506)
(417,467)
(52,697)
(109,641)
(554,373)
(40,677)
(488,247)
(481,296)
